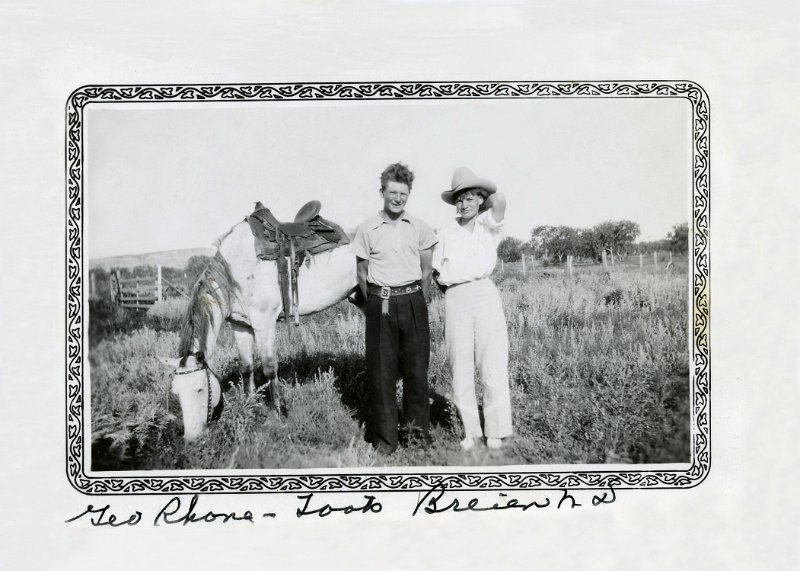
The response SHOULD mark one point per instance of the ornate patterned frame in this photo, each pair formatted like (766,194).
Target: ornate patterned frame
(270,483)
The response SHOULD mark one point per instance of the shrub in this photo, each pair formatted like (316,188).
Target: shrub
(168,314)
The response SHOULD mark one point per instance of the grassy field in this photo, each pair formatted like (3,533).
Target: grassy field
(599,368)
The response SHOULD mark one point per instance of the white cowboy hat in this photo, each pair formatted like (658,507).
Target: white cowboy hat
(465,179)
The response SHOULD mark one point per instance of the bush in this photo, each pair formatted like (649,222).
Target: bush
(167,314)
(107,319)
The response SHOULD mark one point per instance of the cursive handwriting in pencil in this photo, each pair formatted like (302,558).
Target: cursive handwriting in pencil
(432,498)
(99,517)
(434,501)
(167,515)
(371,506)
(604,499)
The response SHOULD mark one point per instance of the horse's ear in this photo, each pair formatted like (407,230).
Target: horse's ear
(170,361)
(200,357)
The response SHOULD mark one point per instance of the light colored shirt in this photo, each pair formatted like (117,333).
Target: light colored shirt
(465,255)
(393,248)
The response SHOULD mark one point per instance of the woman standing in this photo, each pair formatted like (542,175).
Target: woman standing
(475,327)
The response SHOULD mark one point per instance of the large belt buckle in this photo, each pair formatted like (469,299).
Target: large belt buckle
(386,292)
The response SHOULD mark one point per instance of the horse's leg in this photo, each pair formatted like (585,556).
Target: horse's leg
(265,336)
(243,336)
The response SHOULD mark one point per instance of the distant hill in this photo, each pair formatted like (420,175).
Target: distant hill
(168,259)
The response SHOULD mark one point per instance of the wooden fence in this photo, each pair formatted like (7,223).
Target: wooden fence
(608,259)
(143,292)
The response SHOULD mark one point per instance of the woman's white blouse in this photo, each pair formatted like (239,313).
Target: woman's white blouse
(463,255)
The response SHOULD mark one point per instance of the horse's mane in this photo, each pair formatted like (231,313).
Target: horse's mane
(198,317)
(218,241)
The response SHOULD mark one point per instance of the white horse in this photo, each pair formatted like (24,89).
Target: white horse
(239,288)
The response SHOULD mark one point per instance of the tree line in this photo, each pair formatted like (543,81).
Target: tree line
(618,237)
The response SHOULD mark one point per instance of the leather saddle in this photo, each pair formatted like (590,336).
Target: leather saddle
(309,234)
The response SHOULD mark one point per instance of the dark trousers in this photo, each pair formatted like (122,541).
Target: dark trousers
(397,345)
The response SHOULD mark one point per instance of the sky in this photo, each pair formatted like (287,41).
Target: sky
(166,176)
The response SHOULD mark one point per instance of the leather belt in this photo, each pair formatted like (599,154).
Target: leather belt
(385,292)
(444,288)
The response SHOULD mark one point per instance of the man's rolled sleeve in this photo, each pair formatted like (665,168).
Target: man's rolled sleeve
(427,237)
(361,244)
(488,220)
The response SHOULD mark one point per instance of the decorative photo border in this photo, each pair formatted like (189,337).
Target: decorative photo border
(198,482)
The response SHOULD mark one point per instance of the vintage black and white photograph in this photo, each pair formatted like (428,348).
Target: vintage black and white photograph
(336,279)
(399,284)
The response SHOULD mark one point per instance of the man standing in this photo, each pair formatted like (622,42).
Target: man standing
(394,252)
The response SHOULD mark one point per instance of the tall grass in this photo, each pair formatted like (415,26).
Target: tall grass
(132,411)
(598,365)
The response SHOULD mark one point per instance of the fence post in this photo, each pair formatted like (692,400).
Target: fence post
(523,265)
(655,258)
(115,286)
(670,256)
(158,285)
(641,260)
(569,265)
(612,255)
(605,260)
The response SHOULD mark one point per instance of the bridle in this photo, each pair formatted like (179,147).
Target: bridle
(216,412)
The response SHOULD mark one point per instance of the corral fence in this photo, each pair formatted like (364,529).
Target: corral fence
(656,259)
(142,292)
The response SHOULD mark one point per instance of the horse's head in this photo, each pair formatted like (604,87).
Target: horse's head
(198,391)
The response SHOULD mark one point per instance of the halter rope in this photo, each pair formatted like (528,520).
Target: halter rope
(207,369)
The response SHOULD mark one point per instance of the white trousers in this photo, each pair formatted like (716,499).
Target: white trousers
(476,334)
